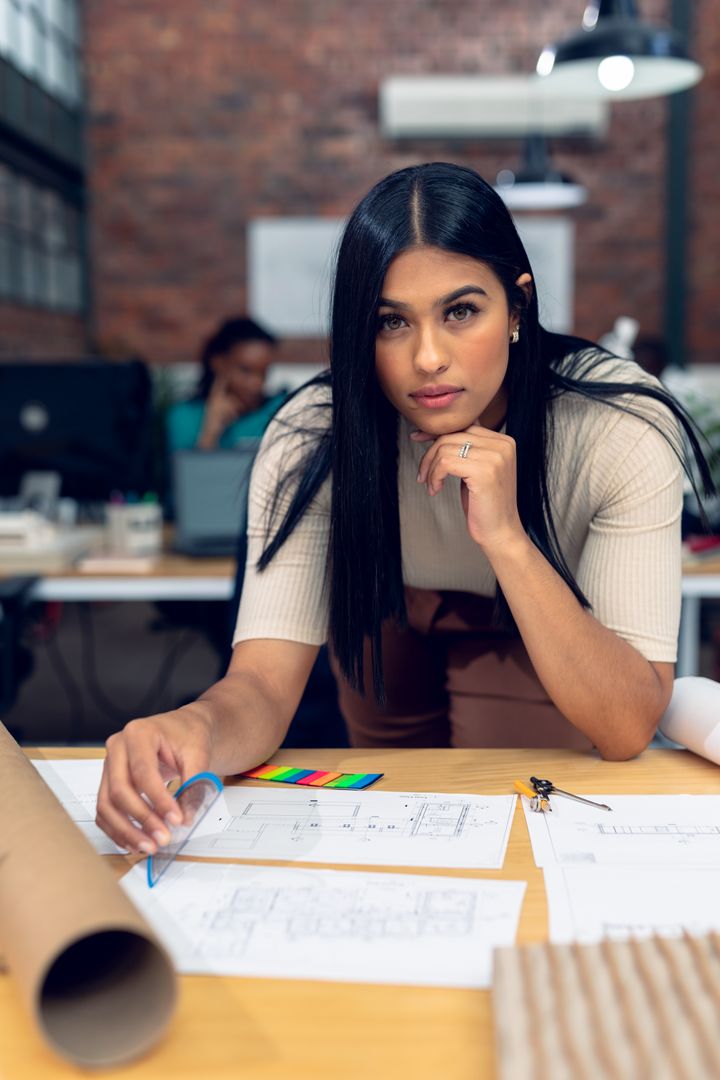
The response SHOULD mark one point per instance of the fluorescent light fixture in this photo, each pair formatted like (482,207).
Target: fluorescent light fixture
(484,106)
(617,56)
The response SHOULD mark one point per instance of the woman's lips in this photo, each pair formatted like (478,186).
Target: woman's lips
(437,397)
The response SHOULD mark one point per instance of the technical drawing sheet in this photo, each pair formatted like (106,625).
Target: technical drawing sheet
(75,783)
(343,925)
(672,829)
(374,828)
(588,903)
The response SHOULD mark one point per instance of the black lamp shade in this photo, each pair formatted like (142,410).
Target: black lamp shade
(660,61)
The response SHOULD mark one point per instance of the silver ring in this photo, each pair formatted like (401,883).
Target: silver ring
(464,449)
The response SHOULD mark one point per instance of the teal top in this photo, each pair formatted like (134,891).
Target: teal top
(184,422)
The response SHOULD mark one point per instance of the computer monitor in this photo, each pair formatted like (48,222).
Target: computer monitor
(88,420)
(210,495)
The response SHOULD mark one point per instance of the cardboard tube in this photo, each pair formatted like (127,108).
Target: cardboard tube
(693,716)
(99,985)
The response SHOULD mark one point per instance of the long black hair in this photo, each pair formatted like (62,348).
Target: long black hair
(230,333)
(452,208)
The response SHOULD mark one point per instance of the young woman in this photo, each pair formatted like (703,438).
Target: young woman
(481,517)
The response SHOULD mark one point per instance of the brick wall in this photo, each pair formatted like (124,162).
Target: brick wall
(204,115)
(40,335)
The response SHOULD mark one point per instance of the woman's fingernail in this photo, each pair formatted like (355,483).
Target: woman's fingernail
(146,847)
(174,817)
(161,836)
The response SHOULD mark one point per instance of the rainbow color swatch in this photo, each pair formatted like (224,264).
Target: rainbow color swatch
(313,777)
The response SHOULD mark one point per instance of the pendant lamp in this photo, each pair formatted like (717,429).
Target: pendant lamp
(537,185)
(617,55)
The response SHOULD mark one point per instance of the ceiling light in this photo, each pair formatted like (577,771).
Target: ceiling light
(616,55)
(536,185)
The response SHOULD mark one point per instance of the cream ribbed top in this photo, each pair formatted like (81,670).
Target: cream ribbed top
(616,493)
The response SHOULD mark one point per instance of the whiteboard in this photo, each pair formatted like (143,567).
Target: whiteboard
(290,269)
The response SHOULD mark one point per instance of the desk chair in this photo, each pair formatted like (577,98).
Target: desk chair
(318,720)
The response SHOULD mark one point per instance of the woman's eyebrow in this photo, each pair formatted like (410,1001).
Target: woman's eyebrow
(455,295)
(460,292)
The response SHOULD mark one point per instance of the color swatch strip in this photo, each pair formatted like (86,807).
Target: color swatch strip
(313,777)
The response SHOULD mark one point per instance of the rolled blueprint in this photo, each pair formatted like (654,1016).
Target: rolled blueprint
(99,985)
(693,716)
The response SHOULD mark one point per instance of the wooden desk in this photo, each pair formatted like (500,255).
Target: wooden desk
(267,1029)
(172,577)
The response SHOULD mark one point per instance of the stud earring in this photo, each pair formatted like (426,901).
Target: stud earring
(515,336)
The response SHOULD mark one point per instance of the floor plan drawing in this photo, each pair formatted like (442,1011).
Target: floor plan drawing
(329,924)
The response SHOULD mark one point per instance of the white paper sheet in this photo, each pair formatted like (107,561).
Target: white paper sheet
(343,925)
(75,782)
(673,829)
(374,828)
(587,903)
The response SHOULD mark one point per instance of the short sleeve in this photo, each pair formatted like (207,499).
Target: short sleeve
(288,600)
(183,423)
(630,566)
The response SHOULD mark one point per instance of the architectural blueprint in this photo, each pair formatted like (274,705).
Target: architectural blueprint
(381,828)
(588,903)
(344,925)
(657,829)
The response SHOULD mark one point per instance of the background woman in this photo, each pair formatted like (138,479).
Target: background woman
(230,402)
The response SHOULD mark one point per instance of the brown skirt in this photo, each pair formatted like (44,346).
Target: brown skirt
(453,680)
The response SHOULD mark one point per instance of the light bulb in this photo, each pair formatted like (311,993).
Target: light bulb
(546,61)
(616,72)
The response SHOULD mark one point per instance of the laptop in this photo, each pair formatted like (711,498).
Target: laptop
(210,498)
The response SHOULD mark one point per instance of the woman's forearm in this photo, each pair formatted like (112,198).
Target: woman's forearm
(209,436)
(599,682)
(248,712)
(246,726)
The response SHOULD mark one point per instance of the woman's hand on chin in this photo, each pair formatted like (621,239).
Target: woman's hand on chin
(485,463)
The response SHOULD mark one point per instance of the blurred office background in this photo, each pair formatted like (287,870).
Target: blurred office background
(164,166)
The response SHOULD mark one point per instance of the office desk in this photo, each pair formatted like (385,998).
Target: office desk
(268,1029)
(173,577)
(178,577)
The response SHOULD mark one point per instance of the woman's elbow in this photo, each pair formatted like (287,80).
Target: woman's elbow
(636,735)
(638,724)
(624,749)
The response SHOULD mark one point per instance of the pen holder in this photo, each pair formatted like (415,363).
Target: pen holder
(134,529)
